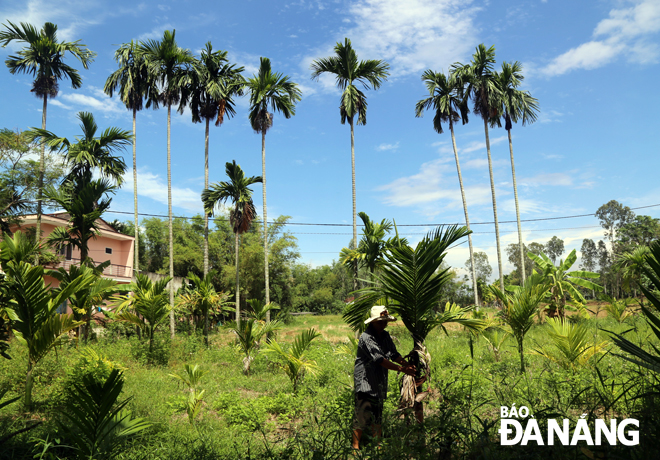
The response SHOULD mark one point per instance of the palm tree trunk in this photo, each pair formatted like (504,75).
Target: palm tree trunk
(492,189)
(263,176)
(238,305)
(515,196)
(169,213)
(355,242)
(42,167)
(136,267)
(467,219)
(28,386)
(206,185)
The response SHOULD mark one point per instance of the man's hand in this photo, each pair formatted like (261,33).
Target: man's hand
(408,369)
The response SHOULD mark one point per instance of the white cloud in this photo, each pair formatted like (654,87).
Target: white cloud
(152,186)
(383,147)
(550,116)
(98,101)
(481,145)
(57,103)
(156,33)
(411,36)
(432,190)
(626,32)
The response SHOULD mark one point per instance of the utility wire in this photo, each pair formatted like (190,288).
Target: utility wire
(398,225)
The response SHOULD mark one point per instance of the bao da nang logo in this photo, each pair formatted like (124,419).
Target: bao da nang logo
(514,431)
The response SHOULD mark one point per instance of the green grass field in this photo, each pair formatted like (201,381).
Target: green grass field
(259,416)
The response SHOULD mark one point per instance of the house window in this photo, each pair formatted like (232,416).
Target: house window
(108,250)
(62,307)
(66,252)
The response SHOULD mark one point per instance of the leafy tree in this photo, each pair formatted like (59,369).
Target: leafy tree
(589,255)
(348,70)
(513,258)
(446,98)
(631,266)
(516,105)
(483,88)
(554,248)
(19,176)
(519,308)
(238,191)
(613,215)
(410,283)
(641,231)
(43,59)
(167,63)
(212,83)
(561,282)
(482,269)
(269,91)
(134,84)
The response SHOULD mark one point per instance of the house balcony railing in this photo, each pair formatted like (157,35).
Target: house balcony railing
(111,271)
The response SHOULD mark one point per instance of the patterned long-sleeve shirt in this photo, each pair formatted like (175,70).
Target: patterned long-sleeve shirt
(369,376)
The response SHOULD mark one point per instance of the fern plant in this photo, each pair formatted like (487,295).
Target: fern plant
(294,362)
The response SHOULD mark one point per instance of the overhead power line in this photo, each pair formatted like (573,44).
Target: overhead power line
(398,225)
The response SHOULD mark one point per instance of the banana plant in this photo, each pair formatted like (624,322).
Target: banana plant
(294,362)
(562,282)
(572,344)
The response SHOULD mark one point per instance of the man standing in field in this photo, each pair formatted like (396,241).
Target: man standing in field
(376,355)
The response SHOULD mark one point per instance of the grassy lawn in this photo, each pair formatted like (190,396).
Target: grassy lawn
(259,416)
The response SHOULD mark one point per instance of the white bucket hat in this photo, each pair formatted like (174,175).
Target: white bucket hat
(379,313)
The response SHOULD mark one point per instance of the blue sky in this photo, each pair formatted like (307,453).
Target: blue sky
(592,65)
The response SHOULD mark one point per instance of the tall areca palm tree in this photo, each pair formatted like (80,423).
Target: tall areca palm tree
(269,91)
(348,70)
(88,152)
(515,105)
(446,99)
(210,89)
(167,62)
(134,84)
(238,191)
(43,59)
(482,88)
